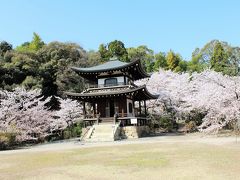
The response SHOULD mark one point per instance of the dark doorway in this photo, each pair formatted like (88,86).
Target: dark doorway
(112,109)
(110,82)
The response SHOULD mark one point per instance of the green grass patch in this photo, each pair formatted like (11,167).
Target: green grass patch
(154,161)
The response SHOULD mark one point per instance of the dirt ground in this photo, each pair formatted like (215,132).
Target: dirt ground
(163,157)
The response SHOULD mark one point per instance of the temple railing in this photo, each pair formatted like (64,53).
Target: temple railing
(88,86)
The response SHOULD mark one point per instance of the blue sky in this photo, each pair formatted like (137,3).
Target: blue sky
(180,25)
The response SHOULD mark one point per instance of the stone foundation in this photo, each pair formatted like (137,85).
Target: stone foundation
(130,132)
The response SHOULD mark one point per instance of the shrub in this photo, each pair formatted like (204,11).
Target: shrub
(165,122)
(67,134)
(195,116)
(191,126)
(74,130)
(7,140)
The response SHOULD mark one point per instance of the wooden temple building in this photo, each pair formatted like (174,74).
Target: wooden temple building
(111,95)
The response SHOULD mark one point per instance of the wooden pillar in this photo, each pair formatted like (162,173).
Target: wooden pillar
(84,110)
(98,119)
(145,107)
(94,109)
(115,118)
(134,108)
(140,108)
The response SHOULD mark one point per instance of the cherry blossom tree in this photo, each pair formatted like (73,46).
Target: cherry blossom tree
(26,113)
(213,94)
(70,111)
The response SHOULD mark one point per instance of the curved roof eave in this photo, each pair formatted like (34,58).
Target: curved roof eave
(118,65)
(108,66)
(141,88)
(152,96)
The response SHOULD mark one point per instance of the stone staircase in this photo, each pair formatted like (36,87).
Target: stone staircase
(107,120)
(103,132)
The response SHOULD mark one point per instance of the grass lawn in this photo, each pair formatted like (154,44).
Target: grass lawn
(161,159)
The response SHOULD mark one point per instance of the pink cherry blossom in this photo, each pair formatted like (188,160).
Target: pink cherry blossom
(209,92)
(24,112)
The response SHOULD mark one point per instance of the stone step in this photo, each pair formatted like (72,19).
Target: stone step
(107,127)
(104,125)
(107,120)
(102,132)
(101,137)
(100,140)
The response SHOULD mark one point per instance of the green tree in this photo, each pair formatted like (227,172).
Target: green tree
(201,58)
(144,54)
(104,53)
(94,58)
(182,66)
(219,59)
(117,49)
(233,54)
(195,65)
(23,47)
(2,74)
(113,49)
(36,42)
(4,47)
(31,82)
(32,46)
(160,61)
(17,66)
(172,60)
(56,59)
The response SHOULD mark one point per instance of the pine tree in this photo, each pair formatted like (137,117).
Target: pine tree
(219,59)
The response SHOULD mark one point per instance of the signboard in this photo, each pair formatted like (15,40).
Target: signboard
(134,121)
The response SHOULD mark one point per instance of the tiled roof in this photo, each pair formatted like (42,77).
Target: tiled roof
(112,64)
